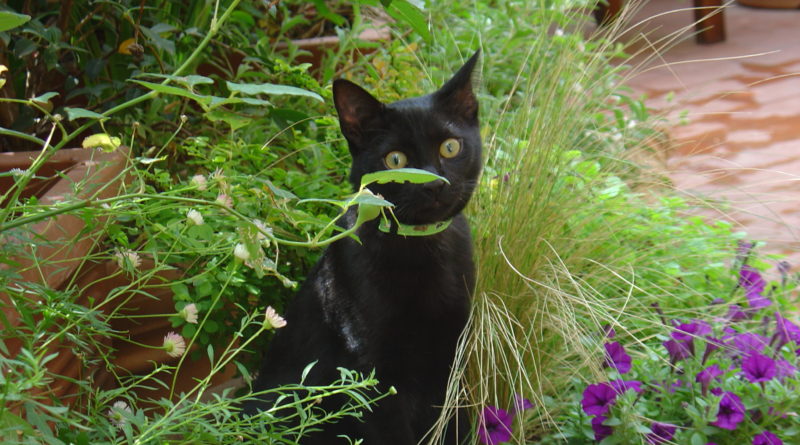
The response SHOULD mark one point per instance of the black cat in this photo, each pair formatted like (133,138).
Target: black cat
(394,303)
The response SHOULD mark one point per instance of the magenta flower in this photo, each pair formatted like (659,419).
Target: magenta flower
(601,431)
(688,331)
(784,368)
(756,300)
(766,438)
(617,358)
(661,432)
(749,343)
(621,386)
(705,376)
(750,279)
(786,331)
(735,313)
(758,367)
(678,350)
(681,346)
(521,403)
(752,282)
(598,397)
(730,413)
(494,426)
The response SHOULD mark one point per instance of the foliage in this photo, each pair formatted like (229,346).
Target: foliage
(725,381)
(571,234)
(236,178)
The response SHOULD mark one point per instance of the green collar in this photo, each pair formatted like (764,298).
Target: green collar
(409,230)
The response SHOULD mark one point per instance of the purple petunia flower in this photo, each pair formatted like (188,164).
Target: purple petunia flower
(752,282)
(785,331)
(598,397)
(784,368)
(677,350)
(743,249)
(749,343)
(730,413)
(767,438)
(494,426)
(661,432)
(688,331)
(601,431)
(756,300)
(758,367)
(705,376)
(608,331)
(735,313)
(521,403)
(617,358)
(621,386)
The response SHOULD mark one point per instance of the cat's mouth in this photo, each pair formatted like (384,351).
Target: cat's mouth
(427,210)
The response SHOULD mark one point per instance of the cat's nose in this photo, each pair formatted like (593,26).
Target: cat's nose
(434,187)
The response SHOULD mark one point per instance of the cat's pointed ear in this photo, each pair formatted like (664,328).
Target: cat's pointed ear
(457,96)
(358,111)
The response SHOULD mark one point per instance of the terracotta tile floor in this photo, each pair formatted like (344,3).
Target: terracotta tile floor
(742,96)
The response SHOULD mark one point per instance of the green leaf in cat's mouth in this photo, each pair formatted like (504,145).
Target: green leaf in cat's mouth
(412,175)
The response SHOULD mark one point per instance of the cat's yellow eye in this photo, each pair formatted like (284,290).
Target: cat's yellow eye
(395,159)
(450,148)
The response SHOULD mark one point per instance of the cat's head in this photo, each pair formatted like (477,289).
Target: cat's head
(438,132)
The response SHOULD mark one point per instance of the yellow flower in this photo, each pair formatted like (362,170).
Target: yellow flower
(272,320)
(174,344)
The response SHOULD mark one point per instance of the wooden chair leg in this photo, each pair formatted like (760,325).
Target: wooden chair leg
(709,21)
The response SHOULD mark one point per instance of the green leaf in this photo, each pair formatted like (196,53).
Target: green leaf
(11,20)
(413,175)
(251,89)
(81,113)
(233,120)
(190,81)
(306,371)
(174,91)
(44,97)
(403,11)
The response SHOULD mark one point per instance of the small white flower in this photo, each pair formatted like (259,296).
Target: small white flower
(241,252)
(200,182)
(189,313)
(195,217)
(218,175)
(272,320)
(174,344)
(17,172)
(559,32)
(115,413)
(127,256)
(225,200)
(262,228)
(632,123)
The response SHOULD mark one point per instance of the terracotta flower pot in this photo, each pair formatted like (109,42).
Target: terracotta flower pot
(58,260)
(772,4)
(317,46)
